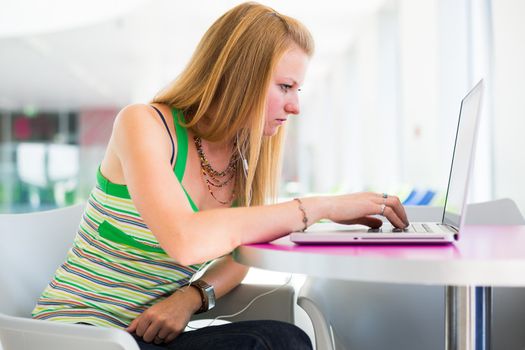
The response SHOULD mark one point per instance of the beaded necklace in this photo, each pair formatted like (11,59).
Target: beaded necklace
(212,177)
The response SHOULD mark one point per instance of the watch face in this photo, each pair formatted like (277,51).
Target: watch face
(208,294)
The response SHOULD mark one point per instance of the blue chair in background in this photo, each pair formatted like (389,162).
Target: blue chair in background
(427,198)
(410,198)
(418,197)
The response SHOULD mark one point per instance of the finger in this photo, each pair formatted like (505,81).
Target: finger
(158,340)
(171,337)
(142,326)
(369,221)
(151,332)
(133,325)
(396,204)
(164,332)
(391,215)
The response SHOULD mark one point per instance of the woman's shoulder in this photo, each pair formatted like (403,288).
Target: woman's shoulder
(138,132)
(138,121)
(135,113)
(137,117)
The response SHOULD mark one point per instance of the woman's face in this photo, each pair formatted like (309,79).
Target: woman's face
(282,98)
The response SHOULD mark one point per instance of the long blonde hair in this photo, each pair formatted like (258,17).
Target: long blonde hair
(222,91)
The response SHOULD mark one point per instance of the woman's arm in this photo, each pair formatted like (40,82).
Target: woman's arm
(165,320)
(224,275)
(188,237)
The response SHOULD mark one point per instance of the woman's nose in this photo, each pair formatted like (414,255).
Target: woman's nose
(292,107)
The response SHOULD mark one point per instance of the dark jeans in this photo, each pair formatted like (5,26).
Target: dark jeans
(239,335)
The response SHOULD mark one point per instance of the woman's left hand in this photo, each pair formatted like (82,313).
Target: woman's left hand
(164,321)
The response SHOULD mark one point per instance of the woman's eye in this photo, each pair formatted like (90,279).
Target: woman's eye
(285,87)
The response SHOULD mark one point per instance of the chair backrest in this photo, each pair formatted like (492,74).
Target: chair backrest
(277,305)
(422,213)
(17,333)
(497,212)
(32,246)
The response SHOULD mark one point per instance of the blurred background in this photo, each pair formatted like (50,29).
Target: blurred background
(379,105)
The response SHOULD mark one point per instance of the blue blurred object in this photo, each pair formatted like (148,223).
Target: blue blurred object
(417,197)
(410,198)
(427,198)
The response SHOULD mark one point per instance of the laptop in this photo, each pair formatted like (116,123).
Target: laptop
(453,217)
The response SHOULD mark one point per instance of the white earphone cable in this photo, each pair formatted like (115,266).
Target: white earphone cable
(246,307)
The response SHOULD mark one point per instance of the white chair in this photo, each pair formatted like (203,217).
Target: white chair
(366,316)
(498,212)
(33,245)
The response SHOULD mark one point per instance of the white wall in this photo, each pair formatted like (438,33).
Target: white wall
(509,99)
(419,75)
(383,114)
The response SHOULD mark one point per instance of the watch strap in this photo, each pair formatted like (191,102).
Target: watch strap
(206,293)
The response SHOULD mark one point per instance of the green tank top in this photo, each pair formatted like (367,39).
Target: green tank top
(116,268)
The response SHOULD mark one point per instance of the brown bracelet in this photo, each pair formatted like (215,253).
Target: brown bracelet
(305,218)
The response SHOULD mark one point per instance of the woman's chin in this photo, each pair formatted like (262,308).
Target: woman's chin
(271,131)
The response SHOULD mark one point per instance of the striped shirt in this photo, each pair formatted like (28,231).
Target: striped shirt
(116,268)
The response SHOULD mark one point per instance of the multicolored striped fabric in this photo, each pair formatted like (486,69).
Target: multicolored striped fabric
(116,268)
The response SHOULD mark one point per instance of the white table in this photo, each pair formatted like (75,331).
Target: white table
(484,257)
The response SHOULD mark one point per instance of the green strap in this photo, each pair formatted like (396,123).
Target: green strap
(182,152)
(182,145)
(180,165)
(112,233)
(108,187)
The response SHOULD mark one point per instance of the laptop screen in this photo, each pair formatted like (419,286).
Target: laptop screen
(463,157)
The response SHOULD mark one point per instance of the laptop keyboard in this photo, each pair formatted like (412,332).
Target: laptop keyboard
(419,228)
(411,228)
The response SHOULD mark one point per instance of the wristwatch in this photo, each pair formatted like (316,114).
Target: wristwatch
(207,295)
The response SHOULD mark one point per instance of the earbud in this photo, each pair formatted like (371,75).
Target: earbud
(245,169)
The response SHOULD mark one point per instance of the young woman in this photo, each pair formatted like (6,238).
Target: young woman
(185,180)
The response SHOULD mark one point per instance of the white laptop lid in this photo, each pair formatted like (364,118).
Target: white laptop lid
(463,157)
(455,200)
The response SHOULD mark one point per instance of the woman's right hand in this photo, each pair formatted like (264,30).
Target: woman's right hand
(358,208)
(165,320)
